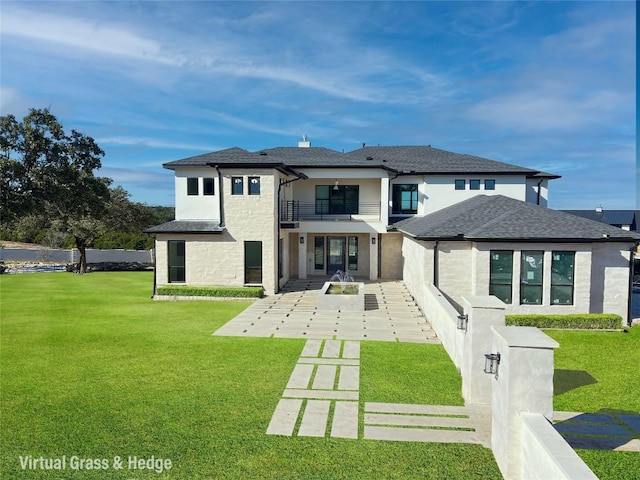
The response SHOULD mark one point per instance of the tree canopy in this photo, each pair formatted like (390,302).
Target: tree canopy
(49,186)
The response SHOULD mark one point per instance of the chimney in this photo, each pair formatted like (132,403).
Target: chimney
(599,209)
(304,143)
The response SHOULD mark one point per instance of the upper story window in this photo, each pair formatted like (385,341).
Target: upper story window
(405,198)
(474,184)
(237,186)
(460,184)
(489,184)
(532,264)
(254,185)
(192,186)
(337,199)
(207,186)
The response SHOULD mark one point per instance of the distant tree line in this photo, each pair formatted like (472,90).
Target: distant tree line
(49,193)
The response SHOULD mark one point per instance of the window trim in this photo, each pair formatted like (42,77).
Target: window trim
(397,201)
(525,282)
(253,181)
(555,283)
(457,184)
(208,181)
(193,187)
(237,181)
(179,245)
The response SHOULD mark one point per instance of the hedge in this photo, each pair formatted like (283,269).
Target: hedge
(231,292)
(574,320)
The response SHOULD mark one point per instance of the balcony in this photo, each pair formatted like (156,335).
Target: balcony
(295,211)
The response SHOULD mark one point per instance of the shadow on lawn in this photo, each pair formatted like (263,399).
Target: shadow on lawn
(606,429)
(567,380)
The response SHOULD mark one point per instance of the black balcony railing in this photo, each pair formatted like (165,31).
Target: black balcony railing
(294,210)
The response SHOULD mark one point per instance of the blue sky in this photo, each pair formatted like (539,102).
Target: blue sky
(546,85)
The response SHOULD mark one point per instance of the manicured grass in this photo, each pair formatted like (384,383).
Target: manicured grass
(598,372)
(91,366)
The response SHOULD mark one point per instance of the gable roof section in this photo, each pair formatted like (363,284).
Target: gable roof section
(399,159)
(500,218)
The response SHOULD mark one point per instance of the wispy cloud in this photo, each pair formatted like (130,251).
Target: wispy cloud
(155,143)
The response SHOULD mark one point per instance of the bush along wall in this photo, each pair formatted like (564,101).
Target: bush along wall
(569,321)
(228,292)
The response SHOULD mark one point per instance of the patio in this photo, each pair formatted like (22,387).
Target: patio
(390,314)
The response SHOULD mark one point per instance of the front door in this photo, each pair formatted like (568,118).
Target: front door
(336,247)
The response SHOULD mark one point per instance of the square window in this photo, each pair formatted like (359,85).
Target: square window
(460,184)
(192,186)
(207,186)
(489,184)
(237,186)
(405,198)
(254,185)
(474,184)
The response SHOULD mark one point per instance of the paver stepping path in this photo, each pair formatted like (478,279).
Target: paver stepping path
(322,398)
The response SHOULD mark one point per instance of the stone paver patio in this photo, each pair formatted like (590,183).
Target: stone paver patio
(390,314)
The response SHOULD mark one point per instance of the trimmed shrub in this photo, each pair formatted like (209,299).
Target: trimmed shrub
(231,292)
(575,320)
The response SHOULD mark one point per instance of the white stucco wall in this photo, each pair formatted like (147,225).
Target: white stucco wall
(196,207)
(440,190)
(532,191)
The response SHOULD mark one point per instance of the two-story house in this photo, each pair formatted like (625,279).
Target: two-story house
(261,218)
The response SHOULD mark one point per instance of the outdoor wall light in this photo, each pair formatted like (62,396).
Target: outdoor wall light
(335,187)
(462,322)
(491,362)
(301,240)
(373,240)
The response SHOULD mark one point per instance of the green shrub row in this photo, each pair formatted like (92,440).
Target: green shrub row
(574,320)
(187,291)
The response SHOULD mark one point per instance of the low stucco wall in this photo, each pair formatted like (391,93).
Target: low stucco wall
(545,454)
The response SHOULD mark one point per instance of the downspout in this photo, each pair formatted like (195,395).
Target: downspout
(435,264)
(631,268)
(155,270)
(221,204)
(539,183)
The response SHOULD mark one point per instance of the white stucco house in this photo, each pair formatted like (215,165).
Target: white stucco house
(467,224)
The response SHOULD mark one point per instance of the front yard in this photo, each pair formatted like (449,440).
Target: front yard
(92,368)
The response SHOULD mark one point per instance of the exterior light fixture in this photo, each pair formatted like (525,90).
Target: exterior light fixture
(491,362)
(373,240)
(335,187)
(462,322)
(301,240)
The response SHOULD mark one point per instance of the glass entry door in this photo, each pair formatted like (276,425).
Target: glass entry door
(336,250)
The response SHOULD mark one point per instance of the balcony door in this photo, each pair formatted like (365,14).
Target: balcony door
(336,250)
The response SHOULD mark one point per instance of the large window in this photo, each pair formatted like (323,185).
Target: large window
(337,199)
(531,269)
(318,252)
(253,262)
(352,253)
(176,261)
(254,185)
(405,198)
(207,186)
(237,186)
(501,274)
(192,186)
(562,266)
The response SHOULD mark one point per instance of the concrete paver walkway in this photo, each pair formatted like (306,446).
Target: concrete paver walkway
(599,431)
(390,314)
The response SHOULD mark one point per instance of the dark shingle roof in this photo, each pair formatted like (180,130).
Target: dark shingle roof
(497,217)
(612,217)
(187,226)
(401,159)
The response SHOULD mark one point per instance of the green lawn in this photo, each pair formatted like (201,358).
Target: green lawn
(597,372)
(91,366)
